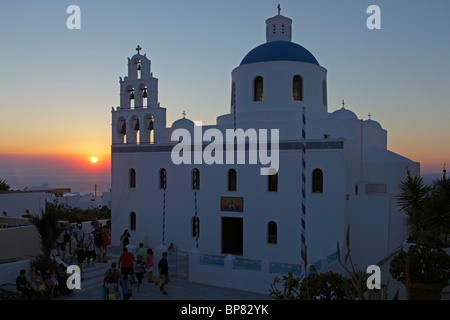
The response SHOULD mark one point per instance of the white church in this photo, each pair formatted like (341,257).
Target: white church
(229,215)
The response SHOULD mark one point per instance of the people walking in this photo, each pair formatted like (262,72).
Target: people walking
(126,287)
(149,265)
(90,249)
(81,256)
(61,242)
(126,263)
(79,234)
(142,251)
(106,241)
(125,238)
(163,268)
(139,269)
(99,244)
(111,281)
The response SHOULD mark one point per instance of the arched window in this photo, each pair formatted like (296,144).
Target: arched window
(324,92)
(232,180)
(195,226)
(132,178)
(317,181)
(162,179)
(196,179)
(297,88)
(272,234)
(258,89)
(132,221)
(273,182)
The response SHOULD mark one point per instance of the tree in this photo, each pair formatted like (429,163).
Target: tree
(427,209)
(49,228)
(3,185)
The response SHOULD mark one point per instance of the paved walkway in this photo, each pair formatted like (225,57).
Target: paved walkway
(177,290)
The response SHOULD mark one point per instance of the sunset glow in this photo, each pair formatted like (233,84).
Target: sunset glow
(94,159)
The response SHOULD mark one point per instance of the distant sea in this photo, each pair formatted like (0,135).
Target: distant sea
(77,183)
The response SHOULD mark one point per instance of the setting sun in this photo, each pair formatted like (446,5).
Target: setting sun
(94,159)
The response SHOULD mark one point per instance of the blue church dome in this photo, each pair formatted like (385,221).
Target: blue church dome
(279,51)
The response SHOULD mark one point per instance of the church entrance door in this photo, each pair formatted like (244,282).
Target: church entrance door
(232,235)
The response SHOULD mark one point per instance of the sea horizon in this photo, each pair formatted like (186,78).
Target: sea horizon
(83,183)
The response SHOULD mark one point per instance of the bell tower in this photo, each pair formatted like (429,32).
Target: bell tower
(138,119)
(278,28)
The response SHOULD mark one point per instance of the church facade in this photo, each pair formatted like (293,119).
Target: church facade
(340,175)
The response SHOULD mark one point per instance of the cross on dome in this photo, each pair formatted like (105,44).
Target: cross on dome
(279,8)
(184,114)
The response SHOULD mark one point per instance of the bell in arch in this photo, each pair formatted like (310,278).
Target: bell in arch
(136,125)
(139,67)
(123,130)
(132,95)
(150,125)
(144,94)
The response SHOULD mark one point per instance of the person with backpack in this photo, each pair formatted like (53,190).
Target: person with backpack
(111,281)
(79,234)
(90,249)
(99,244)
(62,241)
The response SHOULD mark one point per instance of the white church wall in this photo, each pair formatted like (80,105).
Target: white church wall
(368,218)
(325,211)
(397,225)
(324,219)
(389,173)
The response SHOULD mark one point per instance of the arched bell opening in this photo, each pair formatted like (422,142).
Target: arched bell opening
(121,127)
(136,68)
(129,101)
(134,130)
(148,132)
(141,96)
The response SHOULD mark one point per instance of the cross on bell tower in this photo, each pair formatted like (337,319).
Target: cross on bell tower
(279,28)
(138,48)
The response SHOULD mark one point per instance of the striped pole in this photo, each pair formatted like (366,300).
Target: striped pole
(195,206)
(164,209)
(303,235)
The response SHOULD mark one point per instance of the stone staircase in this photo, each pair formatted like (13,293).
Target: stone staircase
(93,273)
